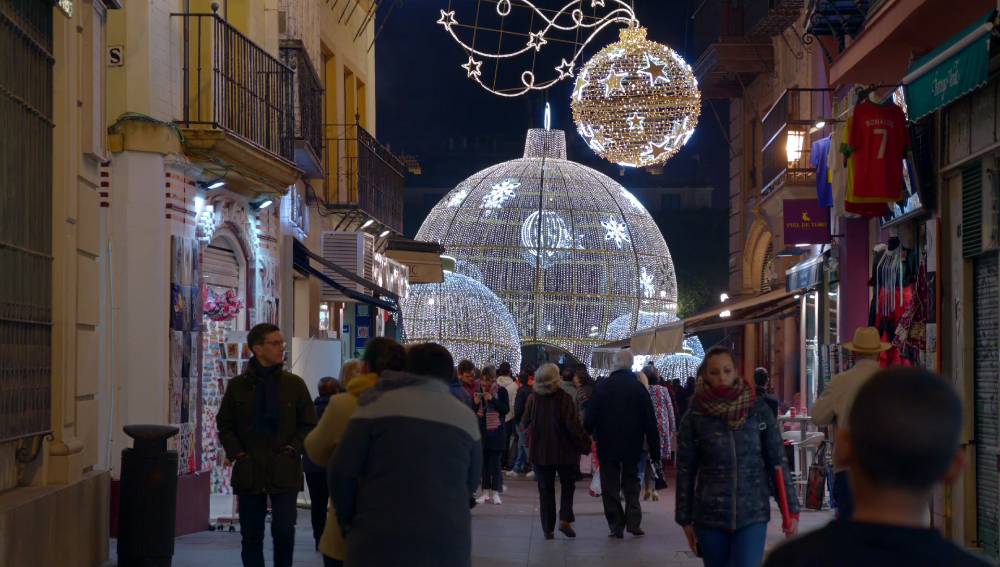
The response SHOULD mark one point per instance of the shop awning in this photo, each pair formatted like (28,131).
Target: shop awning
(663,339)
(958,66)
(423,258)
(806,274)
(737,312)
(301,257)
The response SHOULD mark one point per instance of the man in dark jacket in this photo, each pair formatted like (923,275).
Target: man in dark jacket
(319,496)
(522,462)
(621,418)
(264,418)
(761,379)
(404,473)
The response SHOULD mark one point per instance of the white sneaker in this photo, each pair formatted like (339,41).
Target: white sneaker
(531,474)
(496,498)
(482,499)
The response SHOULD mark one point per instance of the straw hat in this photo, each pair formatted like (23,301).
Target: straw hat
(867,341)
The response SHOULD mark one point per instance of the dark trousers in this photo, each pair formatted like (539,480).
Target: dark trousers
(320,496)
(253,511)
(331,562)
(546,477)
(492,473)
(618,477)
(843,499)
(507,458)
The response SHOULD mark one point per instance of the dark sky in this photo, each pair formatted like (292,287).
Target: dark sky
(428,108)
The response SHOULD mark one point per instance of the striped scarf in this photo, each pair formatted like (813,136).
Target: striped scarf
(731,404)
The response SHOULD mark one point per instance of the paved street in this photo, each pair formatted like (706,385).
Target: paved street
(510,536)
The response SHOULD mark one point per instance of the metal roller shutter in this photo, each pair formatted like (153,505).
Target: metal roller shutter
(220,268)
(986,315)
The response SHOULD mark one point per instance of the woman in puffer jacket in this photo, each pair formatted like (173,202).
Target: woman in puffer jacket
(728,448)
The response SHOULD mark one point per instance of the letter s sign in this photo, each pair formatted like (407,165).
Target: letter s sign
(116,55)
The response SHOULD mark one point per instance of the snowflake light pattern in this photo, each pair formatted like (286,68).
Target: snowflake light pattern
(457,197)
(647,284)
(616,231)
(500,194)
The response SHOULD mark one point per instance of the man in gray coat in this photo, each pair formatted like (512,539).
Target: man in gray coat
(403,476)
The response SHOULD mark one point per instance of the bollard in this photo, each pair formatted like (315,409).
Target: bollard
(148,505)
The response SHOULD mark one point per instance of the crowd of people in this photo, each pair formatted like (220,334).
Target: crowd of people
(404,417)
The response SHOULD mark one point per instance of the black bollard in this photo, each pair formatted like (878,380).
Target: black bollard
(148,504)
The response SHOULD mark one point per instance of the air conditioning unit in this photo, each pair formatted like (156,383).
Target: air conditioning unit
(353,251)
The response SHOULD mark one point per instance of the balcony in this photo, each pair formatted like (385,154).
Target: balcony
(365,181)
(769,18)
(237,108)
(838,19)
(788,127)
(307,97)
(732,59)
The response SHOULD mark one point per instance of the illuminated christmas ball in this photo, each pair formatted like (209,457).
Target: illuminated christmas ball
(464,316)
(636,102)
(670,365)
(567,249)
(680,366)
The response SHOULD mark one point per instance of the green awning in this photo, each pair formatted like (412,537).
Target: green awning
(955,68)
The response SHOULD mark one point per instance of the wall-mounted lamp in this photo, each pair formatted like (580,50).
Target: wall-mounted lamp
(368,223)
(793,145)
(384,233)
(725,314)
(724,297)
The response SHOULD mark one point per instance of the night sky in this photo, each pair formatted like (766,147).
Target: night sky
(429,109)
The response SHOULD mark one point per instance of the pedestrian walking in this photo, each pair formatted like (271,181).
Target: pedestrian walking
(900,439)
(584,390)
(557,441)
(522,462)
(568,381)
(467,377)
(403,475)
(762,381)
(728,447)
(621,419)
(666,424)
(262,422)
(506,381)
(381,355)
(834,405)
(319,495)
(492,406)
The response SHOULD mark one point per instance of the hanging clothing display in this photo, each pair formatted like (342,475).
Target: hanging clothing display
(819,157)
(878,141)
(894,274)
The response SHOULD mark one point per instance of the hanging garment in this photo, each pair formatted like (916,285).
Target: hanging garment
(819,157)
(912,329)
(878,141)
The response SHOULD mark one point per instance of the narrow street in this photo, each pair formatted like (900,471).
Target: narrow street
(509,536)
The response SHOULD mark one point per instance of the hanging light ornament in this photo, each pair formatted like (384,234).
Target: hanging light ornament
(636,102)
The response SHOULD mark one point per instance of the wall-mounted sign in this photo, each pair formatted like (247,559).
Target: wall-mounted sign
(116,55)
(806,221)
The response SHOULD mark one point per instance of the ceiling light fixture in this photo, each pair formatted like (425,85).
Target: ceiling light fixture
(368,223)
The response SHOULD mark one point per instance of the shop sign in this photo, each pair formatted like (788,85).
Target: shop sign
(806,221)
(929,88)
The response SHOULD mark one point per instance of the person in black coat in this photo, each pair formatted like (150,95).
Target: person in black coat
(492,404)
(621,418)
(761,379)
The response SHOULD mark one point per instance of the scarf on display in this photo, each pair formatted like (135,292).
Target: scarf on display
(492,415)
(731,404)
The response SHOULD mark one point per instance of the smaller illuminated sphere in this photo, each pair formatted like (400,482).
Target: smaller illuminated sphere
(636,102)
(681,366)
(465,317)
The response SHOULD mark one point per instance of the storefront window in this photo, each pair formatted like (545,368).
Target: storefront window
(810,354)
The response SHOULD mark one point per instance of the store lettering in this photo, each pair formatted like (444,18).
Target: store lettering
(941,84)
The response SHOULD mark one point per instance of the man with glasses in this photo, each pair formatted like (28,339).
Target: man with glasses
(265,415)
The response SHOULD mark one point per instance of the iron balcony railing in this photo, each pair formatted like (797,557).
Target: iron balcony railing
(789,128)
(307,96)
(365,174)
(232,84)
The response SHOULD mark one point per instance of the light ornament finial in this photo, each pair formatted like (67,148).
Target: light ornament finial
(646,105)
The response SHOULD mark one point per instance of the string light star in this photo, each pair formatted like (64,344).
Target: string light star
(596,3)
(565,69)
(473,68)
(656,150)
(613,83)
(636,121)
(655,70)
(537,40)
(581,83)
(447,19)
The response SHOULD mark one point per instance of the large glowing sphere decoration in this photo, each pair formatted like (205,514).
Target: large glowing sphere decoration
(636,102)
(463,315)
(566,248)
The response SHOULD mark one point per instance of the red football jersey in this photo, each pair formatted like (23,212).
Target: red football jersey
(878,141)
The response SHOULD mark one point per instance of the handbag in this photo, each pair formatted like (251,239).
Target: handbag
(816,481)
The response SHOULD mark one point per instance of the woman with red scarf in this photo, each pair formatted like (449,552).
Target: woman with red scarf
(728,448)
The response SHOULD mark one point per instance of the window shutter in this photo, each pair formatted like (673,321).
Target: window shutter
(972,210)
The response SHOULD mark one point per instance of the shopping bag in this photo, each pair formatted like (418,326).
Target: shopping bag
(816,481)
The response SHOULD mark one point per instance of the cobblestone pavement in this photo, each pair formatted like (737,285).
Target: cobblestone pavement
(509,535)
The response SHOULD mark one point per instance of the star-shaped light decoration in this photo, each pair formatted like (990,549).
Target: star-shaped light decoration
(447,19)
(473,68)
(655,150)
(565,69)
(596,3)
(598,139)
(614,82)
(655,69)
(636,121)
(616,231)
(537,40)
(581,83)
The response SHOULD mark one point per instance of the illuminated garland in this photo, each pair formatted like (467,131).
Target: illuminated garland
(636,102)
(570,18)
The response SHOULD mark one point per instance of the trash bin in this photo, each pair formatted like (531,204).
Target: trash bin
(148,504)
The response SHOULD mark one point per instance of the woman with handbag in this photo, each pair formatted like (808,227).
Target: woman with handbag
(729,446)
(557,441)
